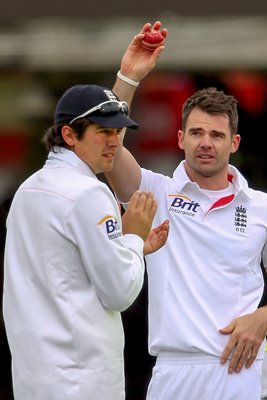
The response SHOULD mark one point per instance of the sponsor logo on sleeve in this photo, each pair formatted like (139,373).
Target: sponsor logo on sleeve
(111,226)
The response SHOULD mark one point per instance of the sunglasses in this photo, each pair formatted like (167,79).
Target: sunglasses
(105,108)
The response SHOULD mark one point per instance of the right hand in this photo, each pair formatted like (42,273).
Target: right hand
(137,62)
(139,215)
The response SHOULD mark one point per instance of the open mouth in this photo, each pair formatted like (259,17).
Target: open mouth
(205,157)
(109,157)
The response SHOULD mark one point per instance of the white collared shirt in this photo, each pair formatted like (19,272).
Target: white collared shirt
(69,272)
(209,271)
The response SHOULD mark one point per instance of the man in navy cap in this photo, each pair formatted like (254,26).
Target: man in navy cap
(71,263)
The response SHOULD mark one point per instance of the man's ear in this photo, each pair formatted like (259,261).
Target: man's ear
(235,142)
(180,136)
(68,135)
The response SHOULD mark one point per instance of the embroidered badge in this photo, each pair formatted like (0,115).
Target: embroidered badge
(240,219)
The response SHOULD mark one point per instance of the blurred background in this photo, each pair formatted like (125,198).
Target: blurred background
(47,47)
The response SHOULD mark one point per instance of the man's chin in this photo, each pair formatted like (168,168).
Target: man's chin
(109,167)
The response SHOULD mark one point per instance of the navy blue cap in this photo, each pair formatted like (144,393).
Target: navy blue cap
(79,99)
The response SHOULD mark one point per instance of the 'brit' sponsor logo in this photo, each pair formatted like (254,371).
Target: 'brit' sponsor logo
(111,227)
(183,205)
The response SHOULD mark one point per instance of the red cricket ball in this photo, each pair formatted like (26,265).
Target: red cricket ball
(152,39)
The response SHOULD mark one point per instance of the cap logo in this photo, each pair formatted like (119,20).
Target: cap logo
(110,95)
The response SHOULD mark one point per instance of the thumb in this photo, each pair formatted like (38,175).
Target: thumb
(227,330)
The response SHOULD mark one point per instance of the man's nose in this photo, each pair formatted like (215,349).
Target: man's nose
(206,141)
(114,138)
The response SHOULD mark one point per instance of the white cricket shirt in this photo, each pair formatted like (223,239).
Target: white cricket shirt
(68,274)
(209,271)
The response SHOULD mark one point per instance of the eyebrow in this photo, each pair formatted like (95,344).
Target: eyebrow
(201,129)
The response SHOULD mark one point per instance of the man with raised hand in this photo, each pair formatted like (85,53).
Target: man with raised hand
(205,327)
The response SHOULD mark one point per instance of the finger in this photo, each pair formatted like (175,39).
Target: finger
(156,26)
(134,199)
(155,54)
(145,28)
(166,226)
(164,234)
(227,350)
(240,355)
(147,200)
(239,359)
(150,194)
(150,207)
(163,227)
(251,358)
(154,207)
(164,32)
(137,38)
(140,36)
(144,201)
(161,240)
(227,330)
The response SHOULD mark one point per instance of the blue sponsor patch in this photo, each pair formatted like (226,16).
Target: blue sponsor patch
(181,204)
(111,227)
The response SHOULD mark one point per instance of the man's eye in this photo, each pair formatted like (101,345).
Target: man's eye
(218,136)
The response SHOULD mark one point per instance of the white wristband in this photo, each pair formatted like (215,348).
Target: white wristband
(127,80)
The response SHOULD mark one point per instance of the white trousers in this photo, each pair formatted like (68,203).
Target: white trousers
(202,377)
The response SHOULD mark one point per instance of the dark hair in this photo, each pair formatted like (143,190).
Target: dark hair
(53,137)
(212,101)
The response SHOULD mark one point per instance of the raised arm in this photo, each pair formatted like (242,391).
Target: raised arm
(136,64)
(125,176)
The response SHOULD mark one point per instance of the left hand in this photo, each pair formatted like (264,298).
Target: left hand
(246,336)
(156,238)
(137,62)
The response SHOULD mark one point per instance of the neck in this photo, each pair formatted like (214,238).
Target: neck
(209,183)
(217,181)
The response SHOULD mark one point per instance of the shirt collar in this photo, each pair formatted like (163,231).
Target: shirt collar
(239,182)
(69,157)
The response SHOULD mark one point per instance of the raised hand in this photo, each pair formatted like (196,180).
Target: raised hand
(137,62)
(139,215)
(157,238)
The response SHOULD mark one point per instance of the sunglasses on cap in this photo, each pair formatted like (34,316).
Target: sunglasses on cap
(105,108)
